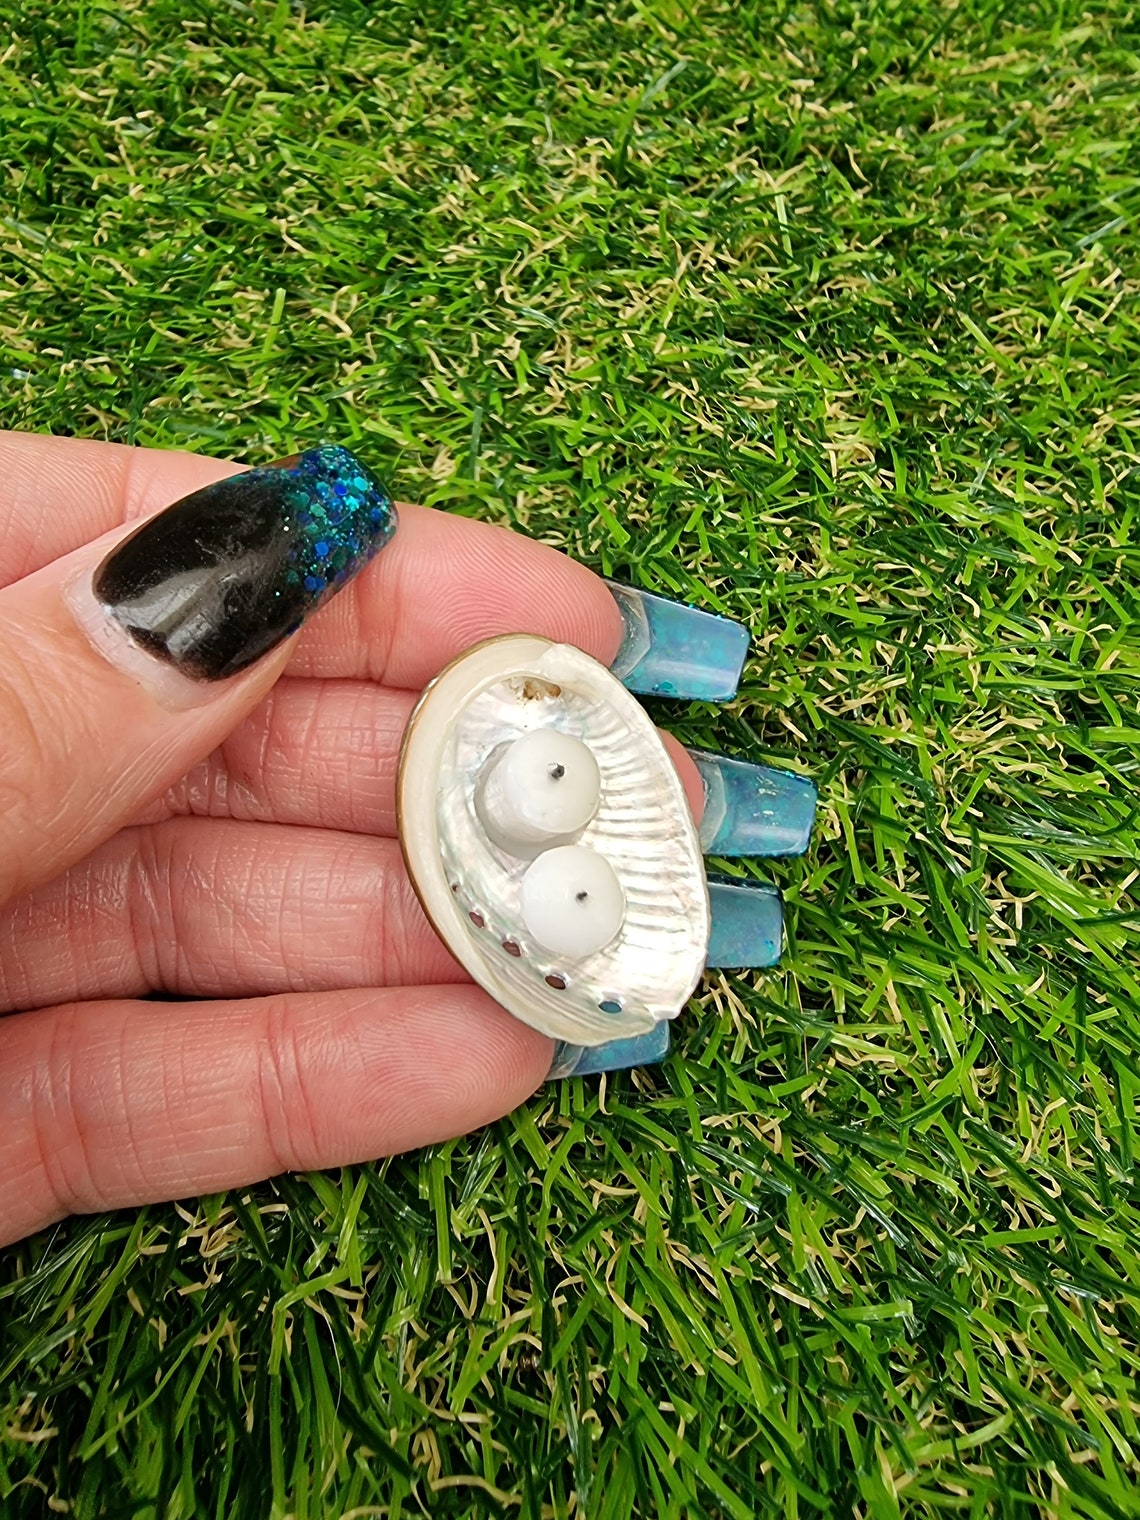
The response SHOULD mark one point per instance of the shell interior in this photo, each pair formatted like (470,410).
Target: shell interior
(470,887)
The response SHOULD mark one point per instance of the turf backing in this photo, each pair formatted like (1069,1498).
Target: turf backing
(824,316)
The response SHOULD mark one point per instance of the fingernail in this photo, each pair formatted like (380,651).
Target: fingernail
(753,809)
(223,576)
(747,926)
(670,650)
(615,1055)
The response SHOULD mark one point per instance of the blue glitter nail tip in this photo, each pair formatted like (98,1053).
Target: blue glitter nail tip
(341,516)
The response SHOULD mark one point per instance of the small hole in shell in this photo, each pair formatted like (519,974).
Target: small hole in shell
(610,1005)
(556,981)
(511,948)
(455,886)
(476,918)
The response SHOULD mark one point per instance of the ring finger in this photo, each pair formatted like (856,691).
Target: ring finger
(321,754)
(216,908)
(233,904)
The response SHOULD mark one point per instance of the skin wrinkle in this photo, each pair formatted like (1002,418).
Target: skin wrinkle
(307,742)
(284,914)
(131,490)
(72,935)
(378,618)
(16,926)
(128,1155)
(149,880)
(25,768)
(282,1092)
(271,727)
(53,936)
(42,1123)
(263,886)
(223,795)
(225,784)
(56,1123)
(379,936)
(210,790)
(97,913)
(24,521)
(178,1073)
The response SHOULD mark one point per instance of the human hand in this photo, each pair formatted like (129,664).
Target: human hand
(231,841)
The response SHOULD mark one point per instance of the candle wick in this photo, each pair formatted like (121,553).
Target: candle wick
(581,896)
(557,772)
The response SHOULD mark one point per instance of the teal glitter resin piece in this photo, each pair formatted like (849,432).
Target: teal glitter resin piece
(753,809)
(747,925)
(615,1055)
(670,650)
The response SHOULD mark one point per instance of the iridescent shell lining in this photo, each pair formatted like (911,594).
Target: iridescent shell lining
(470,887)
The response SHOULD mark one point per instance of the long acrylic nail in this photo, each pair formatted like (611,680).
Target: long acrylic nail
(753,809)
(747,926)
(670,650)
(615,1055)
(221,577)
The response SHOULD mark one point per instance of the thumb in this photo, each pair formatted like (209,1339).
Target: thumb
(126,662)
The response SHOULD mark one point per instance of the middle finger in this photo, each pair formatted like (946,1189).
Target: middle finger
(322,754)
(209,896)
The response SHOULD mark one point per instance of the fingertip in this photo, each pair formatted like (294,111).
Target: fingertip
(473,1064)
(688,772)
(446,583)
(130,1104)
(503,582)
(60,493)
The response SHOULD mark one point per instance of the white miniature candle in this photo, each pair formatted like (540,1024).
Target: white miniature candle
(540,790)
(572,901)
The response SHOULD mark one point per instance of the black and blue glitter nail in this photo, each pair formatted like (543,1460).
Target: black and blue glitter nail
(221,577)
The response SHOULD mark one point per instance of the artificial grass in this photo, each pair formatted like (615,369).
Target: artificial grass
(827,317)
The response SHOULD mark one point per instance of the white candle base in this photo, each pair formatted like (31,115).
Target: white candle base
(572,901)
(537,792)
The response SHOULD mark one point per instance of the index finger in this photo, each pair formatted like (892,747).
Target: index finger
(443,583)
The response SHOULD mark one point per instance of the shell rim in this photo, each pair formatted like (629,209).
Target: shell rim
(530,647)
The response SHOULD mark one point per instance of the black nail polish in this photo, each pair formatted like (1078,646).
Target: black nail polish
(221,577)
